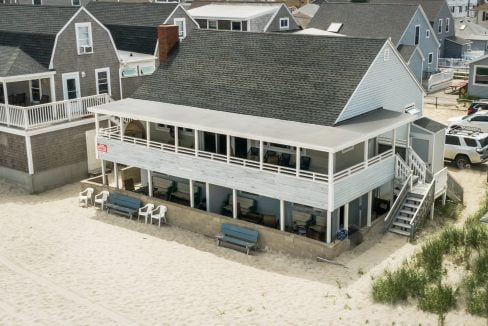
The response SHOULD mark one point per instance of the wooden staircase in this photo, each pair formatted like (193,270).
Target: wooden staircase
(408,208)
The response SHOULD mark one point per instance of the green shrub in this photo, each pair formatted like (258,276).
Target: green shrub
(450,210)
(438,299)
(430,258)
(477,301)
(397,286)
(480,270)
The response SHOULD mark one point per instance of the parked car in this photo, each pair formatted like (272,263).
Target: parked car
(479,120)
(465,147)
(479,105)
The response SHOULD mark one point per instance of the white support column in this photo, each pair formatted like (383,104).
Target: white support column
(234,203)
(408,135)
(432,211)
(227,140)
(121,126)
(177,140)
(298,161)
(330,197)
(192,194)
(261,154)
(149,183)
(346,216)
(196,142)
(5,96)
(52,88)
(207,191)
(116,175)
(366,152)
(282,215)
(97,130)
(148,133)
(370,207)
(28,147)
(104,173)
(444,197)
(393,141)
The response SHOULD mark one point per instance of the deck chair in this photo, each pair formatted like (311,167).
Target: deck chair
(305,163)
(85,197)
(285,159)
(101,199)
(271,158)
(145,212)
(159,214)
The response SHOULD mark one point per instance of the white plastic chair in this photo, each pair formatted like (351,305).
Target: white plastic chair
(101,199)
(159,214)
(145,212)
(86,196)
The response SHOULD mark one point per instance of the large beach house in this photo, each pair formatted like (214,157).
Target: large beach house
(246,125)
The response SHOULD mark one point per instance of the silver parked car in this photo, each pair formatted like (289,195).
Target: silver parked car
(466,146)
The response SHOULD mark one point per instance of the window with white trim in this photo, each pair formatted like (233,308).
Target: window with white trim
(212,24)
(481,76)
(284,23)
(431,58)
(35,90)
(181,23)
(84,39)
(447,24)
(427,33)
(468,47)
(236,25)
(439,28)
(37,2)
(103,80)
(76,3)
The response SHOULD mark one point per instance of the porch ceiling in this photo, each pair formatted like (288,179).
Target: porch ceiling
(317,137)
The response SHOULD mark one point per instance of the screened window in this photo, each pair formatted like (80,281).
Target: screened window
(431,57)
(37,2)
(212,24)
(103,81)
(75,2)
(481,75)
(84,38)
(427,33)
(452,140)
(36,90)
(470,142)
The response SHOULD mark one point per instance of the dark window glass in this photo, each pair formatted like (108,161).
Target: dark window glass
(224,25)
(202,23)
(236,26)
(470,142)
(417,34)
(452,140)
(481,76)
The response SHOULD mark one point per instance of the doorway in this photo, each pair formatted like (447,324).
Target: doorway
(240,147)
(71,86)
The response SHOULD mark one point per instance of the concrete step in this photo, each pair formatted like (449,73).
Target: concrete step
(402,225)
(400,232)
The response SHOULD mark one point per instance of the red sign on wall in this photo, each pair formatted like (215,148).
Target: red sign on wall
(102,148)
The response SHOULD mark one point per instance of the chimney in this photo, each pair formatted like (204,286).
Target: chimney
(168,37)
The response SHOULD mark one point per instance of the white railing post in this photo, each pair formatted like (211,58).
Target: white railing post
(97,131)
(346,216)
(25,112)
(67,108)
(196,142)
(282,215)
(227,139)
(366,153)
(5,96)
(121,128)
(177,140)
(148,133)
(234,203)
(261,154)
(370,207)
(192,194)
(298,161)
(149,183)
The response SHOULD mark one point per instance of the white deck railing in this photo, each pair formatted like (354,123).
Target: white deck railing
(43,115)
(440,179)
(361,166)
(442,77)
(416,164)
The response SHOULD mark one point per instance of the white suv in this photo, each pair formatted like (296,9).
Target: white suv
(466,146)
(477,120)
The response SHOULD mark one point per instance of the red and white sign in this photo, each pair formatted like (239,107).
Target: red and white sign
(102,148)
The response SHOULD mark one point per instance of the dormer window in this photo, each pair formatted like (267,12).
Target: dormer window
(84,40)
(334,27)
(181,23)
(36,2)
(284,23)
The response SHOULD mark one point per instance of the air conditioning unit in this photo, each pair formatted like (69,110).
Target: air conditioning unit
(85,49)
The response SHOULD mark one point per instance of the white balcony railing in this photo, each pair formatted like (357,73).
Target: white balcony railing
(43,115)
(114,133)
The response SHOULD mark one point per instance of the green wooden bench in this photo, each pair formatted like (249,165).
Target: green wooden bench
(124,205)
(237,236)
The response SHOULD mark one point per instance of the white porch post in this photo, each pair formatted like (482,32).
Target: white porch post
(104,175)
(370,204)
(432,211)
(366,152)
(234,203)
(330,196)
(177,140)
(192,194)
(227,140)
(148,133)
(282,215)
(121,126)
(196,142)
(97,130)
(207,191)
(261,155)
(149,183)
(5,96)
(393,141)
(297,161)
(346,216)
(116,175)
(444,197)
(52,89)
(408,135)
(30,161)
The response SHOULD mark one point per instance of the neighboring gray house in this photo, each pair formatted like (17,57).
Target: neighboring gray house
(471,40)
(439,15)
(249,17)
(478,77)
(406,25)
(134,29)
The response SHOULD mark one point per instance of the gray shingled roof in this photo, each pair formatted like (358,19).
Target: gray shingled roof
(14,61)
(365,19)
(458,40)
(132,25)
(430,7)
(406,51)
(32,30)
(430,124)
(466,28)
(263,74)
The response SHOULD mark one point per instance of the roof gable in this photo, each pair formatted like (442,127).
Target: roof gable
(258,74)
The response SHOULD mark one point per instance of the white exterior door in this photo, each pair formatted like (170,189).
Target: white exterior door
(71,93)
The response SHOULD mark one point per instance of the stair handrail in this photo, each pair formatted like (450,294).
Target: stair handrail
(423,208)
(415,162)
(397,203)
(402,169)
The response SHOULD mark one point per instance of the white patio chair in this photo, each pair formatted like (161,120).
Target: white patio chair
(145,212)
(86,196)
(101,199)
(159,213)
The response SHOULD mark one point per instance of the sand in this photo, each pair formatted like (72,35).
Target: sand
(63,264)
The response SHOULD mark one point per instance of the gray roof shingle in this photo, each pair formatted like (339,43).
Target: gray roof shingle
(430,124)
(263,74)
(14,61)
(365,19)
(430,7)
(406,51)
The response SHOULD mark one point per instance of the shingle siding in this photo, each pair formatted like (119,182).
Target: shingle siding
(67,60)
(180,13)
(259,23)
(386,85)
(275,23)
(13,154)
(443,14)
(477,90)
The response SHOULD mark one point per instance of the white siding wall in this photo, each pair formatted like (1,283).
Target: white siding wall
(388,84)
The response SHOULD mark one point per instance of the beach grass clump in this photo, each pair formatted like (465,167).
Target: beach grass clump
(438,299)
(399,285)
(476,286)
(450,210)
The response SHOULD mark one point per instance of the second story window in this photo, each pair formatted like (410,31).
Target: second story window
(181,23)
(76,3)
(439,28)
(447,24)
(427,33)
(431,57)
(103,80)
(417,34)
(284,23)
(84,40)
(36,2)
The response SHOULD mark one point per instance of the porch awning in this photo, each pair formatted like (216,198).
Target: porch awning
(317,137)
